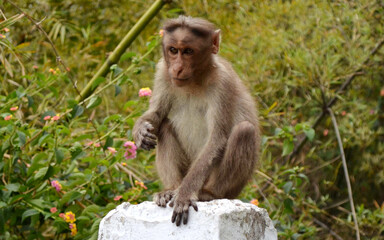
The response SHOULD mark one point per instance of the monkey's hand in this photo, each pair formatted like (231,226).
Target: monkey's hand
(162,198)
(144,138)
(181,203)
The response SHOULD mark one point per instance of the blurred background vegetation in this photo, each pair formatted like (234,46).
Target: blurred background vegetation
(293,56)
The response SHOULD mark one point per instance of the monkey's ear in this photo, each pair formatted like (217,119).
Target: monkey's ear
(216,41)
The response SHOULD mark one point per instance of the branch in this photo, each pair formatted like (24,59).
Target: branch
(345,172)
(58,58)
(123,45)
(321,224)
(332,102)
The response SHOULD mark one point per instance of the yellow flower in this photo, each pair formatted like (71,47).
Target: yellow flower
(161,32)
(2,36)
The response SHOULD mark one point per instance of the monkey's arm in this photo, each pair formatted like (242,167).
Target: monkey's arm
(147,126)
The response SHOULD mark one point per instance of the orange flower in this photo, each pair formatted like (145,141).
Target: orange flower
(255,202)
(51,70)
(343,113)
(141,184)
(55,118)
(2,36)
(6,29)
(325,132)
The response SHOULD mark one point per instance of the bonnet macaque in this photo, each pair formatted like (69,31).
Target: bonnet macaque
(202,119)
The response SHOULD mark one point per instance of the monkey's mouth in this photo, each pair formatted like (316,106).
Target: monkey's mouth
(181,79)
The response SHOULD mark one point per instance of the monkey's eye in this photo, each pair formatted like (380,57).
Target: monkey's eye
(173,50)
(188,51)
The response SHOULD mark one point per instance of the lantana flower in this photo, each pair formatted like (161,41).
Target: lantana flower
(117,198)
(141,184)
(13,109)
(53,210)
(70,217)
(145,92)
(2,36)
(161,32)
(73,228)
(56,117)
(6,29)
(7,118)
(46,118)
(112,150)
(131,150)
(56,185)
(255,202)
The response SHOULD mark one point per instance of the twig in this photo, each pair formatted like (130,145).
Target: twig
(332,102)
(345,172)
(323,225)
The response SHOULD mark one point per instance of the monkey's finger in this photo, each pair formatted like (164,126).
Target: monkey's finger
(149,142)
(173,216)
(185,217)
(171,203)
(150,135)
(148,126)
(193,204)
(178,218)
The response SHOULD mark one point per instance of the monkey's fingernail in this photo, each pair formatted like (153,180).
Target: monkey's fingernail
(185,218)
(173,217)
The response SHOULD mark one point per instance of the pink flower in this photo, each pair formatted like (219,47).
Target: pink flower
(97,145)
(325,132)
(343,113)
(13,109)
(382,92)
(145,92)
(56,185)
(35,67)
(55,118)
(46,118)
(372,111)
(88,144)
(62,215)
(6,29)
(161,32)
(53,210)
(9,117)
(131,150)
(117,198)
(112,150)
(70,217)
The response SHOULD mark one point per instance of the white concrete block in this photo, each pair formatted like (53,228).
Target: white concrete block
(216,220)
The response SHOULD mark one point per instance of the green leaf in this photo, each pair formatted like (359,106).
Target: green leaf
(287,147)
(41,173)
(29,213)
(130,103)
(117,90)
(59,155)
(287,187)
(94,102)
(22,138)
(13,187)
(97,82)
(70,196)
(288,204)
(310,133)
(77,111)
(108,142)
(127,56)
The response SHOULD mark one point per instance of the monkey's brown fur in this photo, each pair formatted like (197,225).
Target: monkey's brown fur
(202,118)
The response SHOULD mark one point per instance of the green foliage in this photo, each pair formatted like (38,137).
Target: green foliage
(293,56)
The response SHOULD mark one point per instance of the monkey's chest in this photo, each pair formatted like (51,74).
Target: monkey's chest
(189,119)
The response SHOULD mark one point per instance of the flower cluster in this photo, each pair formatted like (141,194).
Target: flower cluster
(56,185)
(53,71)
(8,117)
(112,150)
(54,118)
(141,184)
(131,150)
(161,33)
(145,92)
(70,218)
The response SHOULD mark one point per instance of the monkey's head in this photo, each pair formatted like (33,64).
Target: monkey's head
(188,48)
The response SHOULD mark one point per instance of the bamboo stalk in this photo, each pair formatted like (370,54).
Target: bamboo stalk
(123,45)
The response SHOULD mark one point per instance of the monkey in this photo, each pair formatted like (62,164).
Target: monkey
(201,119)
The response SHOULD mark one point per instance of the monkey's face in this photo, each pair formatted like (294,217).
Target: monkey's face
(186,55)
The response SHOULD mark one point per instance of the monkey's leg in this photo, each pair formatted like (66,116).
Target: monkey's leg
(169,163)
(235,168)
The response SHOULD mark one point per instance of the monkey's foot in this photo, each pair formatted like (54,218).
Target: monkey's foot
(162,198)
